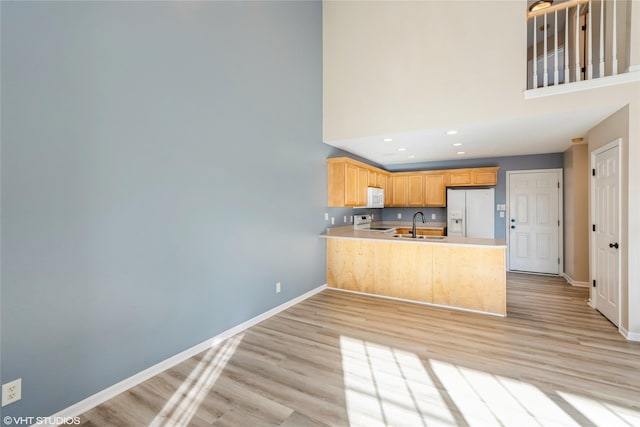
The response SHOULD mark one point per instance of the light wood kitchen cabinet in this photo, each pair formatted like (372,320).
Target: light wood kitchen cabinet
(484,176)
(415,190)
(351,185)
(349,179)
(347,184)
(435,191)
(473,176)
(388,190)
(399,188)
(363,184)
(372,179)
(422,231)
(459,177)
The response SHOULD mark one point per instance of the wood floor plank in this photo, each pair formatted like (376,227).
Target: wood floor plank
(340,359)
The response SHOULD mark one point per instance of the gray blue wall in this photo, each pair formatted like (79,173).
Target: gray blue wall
(162,168)
(539,161)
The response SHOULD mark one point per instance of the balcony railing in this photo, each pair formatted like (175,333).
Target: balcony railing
(577,40)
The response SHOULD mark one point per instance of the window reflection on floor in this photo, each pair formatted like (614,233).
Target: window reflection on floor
(385,386)
(180,409)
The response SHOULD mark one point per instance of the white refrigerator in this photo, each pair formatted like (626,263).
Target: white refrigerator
(470,213)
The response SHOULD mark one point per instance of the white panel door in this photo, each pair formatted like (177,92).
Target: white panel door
(534,226)
(606,256)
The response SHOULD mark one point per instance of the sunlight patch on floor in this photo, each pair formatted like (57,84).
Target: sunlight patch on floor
(602,413)
(180,409)
(495,400)
(385,386)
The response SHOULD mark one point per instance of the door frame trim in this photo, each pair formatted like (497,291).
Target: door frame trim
(560,172)
(592,206)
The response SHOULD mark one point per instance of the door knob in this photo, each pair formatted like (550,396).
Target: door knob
(513,220)
(513,226)
(613,245)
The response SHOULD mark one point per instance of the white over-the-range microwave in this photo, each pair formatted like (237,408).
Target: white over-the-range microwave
(375,197)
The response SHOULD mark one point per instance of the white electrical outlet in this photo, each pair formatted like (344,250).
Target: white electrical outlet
(433,216)
(333,220)
(351,219)
(326,216)
(278,287)
(11,392)
(345,219)
(501,214)
(399,215)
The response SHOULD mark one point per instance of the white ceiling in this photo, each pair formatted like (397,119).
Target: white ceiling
(550,133)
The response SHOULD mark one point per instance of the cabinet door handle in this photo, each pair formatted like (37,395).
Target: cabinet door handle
(513,226)
(614,245)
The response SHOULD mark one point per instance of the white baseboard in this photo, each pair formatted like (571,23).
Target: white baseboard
(124,385)
(572,282)
(631,336)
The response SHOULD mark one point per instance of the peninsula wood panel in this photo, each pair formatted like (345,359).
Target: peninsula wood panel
(381,268)
(470,277)
(350,265)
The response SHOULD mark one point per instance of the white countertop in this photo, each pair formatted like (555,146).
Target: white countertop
(348,232)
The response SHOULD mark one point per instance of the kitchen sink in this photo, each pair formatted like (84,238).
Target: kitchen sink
(408,236)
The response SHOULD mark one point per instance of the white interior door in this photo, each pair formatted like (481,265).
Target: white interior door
(534,226)
(605,246)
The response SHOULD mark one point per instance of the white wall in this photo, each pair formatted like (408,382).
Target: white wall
(402,66)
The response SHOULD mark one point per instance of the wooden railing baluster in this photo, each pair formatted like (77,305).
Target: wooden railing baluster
(581,61)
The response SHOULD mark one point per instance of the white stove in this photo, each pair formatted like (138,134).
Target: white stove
(363,223)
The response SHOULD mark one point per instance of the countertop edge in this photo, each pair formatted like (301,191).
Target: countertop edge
(387,237)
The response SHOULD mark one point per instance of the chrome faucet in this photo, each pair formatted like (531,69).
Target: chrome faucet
(413,230)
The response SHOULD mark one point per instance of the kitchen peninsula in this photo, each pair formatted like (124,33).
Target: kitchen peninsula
(456,272)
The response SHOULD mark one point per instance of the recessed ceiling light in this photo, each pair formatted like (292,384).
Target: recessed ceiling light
(460,152)
(457,144)
(388,139)
(412,156)
(452,132)
(402,149)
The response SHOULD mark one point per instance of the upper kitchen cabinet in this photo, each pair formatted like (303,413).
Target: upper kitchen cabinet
(472,177)
(348,181)
(435,194)
(415,190)
(484,176)
(399,188)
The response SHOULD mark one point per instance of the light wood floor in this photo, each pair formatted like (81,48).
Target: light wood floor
(341,359)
